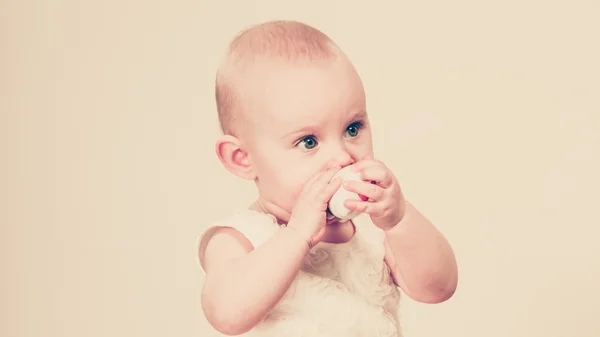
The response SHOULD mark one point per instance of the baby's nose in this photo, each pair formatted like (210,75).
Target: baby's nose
(342,160)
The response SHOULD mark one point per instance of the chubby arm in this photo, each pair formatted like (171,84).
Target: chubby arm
(421,261)
(243,284)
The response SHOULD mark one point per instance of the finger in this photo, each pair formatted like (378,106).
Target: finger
(308,184)
(378,174)
(371,191)
(367,157)
(326,176)
(329,190)
(375,209)
(361,165)
(319,177)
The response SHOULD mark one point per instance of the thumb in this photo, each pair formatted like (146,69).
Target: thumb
(367,157)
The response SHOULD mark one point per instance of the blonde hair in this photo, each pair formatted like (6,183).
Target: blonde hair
(285,41)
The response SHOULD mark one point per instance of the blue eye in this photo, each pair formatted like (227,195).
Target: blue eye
(309,142)
(353,129)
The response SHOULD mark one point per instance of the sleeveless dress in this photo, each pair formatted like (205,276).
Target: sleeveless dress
(342,289)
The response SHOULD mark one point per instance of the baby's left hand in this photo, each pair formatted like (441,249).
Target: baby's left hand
(386,204)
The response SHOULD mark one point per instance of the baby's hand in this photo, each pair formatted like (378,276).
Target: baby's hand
(308,216)
(386,204)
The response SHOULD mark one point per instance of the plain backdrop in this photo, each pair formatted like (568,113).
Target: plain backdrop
(487,111)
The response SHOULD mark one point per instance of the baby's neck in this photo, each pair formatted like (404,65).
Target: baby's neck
(339,232)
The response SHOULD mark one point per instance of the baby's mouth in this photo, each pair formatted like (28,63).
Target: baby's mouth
(331,218)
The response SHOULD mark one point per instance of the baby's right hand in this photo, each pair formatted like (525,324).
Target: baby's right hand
(308,216)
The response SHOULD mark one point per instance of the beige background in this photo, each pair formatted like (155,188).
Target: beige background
(487,111)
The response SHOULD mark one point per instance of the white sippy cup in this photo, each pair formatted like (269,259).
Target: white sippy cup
(336,207)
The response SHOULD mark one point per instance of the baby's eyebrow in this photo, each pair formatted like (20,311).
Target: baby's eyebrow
(303,130)
(360,114)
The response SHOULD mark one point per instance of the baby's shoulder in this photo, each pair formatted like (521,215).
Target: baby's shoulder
(218,243)
(233,236)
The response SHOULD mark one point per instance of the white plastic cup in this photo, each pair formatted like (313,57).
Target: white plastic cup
(336,207)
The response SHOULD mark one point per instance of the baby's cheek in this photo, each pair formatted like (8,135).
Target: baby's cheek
(296,189)
(296,180)
(289,192)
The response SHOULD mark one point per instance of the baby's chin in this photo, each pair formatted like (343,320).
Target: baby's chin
(332,219)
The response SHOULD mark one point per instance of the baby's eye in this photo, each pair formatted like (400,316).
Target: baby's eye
(353,129)
(309,142)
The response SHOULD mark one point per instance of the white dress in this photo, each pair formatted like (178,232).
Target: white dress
(342,290)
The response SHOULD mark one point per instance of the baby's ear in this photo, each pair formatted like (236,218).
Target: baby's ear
(233,157)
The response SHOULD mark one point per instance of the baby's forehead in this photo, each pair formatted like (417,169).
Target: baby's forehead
(277,42)
(279,120)
(296,121)
(286,98)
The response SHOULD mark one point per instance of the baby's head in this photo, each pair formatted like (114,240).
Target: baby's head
(290,105)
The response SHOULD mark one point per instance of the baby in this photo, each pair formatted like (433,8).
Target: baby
(293,113)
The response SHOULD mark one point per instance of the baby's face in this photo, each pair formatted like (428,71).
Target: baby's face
(304,119)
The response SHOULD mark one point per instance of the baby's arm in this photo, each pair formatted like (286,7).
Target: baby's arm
(242,284)
(421,260)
